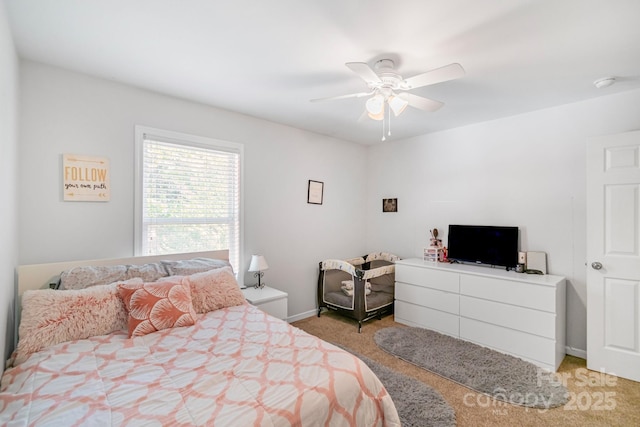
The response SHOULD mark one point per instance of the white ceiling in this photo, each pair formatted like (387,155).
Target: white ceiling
(268,58)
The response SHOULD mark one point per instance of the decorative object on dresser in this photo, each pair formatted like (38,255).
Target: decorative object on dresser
(434,241)
(536,262)
(518,314)
(431,254)
(360,288)
(258,265)
(436,252)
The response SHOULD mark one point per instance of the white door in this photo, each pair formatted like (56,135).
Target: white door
(613,254)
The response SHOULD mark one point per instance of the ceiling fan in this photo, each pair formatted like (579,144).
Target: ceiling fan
(387,88)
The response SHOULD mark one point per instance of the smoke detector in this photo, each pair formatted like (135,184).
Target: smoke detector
(604,82)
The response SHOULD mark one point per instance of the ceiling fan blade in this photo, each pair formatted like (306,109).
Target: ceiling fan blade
(365,72)
(439,75)
(351,95)
(421,103)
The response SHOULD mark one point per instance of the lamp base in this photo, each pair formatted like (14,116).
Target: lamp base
(260,284)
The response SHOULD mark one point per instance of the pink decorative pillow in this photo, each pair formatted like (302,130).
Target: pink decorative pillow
(214,289)
(158,305)
(51,317)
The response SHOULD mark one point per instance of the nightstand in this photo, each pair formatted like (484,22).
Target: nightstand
(269,300)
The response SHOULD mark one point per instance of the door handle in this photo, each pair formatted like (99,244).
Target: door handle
(596,265)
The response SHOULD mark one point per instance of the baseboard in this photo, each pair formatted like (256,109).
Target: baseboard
(301,316)
(577,352)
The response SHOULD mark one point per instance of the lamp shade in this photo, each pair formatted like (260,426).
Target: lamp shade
(397,104)
(377,116)
(375,105)
(258,263)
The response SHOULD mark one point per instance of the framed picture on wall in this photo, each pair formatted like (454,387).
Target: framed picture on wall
(389,205)
(85,178)
(315,192)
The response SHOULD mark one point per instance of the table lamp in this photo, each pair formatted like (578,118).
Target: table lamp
(258,264)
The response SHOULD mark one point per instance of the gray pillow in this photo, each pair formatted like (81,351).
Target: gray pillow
(191,266)
(84,277)
(147,272)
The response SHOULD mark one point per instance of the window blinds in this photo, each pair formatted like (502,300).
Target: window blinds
(190,197)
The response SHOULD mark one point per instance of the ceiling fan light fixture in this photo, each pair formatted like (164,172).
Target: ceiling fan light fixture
(383,80)
(397,104)
(375,105)
(378,116)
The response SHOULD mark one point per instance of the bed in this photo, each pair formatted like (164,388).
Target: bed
(216,361)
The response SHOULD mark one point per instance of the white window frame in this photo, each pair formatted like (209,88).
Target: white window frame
(188,140)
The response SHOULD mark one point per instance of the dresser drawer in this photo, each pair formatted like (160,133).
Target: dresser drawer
(427,277)
(539,350)
(510,292)
(427,297)
(424,317)
(510,316)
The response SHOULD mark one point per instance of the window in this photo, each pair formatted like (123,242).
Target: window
(188,194)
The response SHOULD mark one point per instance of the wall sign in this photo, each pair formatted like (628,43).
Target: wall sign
(85,178)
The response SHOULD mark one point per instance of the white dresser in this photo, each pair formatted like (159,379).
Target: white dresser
(515,313)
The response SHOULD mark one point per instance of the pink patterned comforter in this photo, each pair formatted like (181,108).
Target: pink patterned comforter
(234,367)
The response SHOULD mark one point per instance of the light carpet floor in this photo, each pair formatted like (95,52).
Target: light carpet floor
(595,400)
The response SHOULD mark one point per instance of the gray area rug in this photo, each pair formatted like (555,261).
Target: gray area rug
(418,404)
(483,370)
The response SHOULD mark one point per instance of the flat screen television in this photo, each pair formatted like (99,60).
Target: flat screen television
(479,244)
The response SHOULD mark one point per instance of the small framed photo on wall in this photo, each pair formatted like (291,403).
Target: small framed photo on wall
(389,205)
(315,192)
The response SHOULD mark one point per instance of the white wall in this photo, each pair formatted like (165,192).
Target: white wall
(8,181)
(64,112)
(526,171)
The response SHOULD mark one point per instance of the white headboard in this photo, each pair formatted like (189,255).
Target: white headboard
(38,276)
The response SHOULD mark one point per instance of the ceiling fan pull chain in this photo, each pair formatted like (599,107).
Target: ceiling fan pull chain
(383,137)
(389,124)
